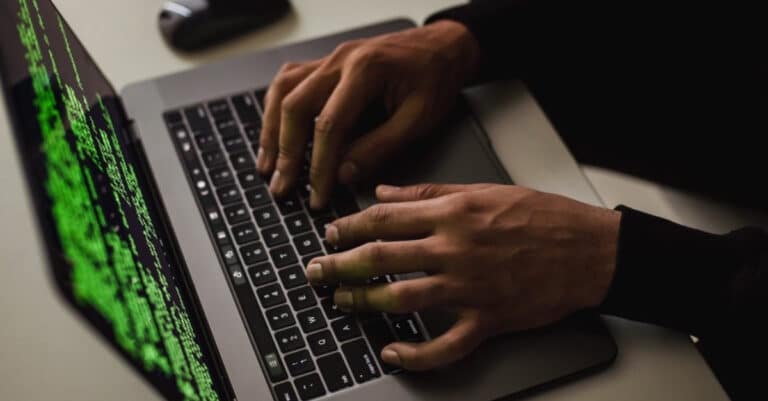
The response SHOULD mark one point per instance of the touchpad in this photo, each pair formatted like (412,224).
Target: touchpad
(457,152)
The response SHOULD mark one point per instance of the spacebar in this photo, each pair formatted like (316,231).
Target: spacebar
(260,333)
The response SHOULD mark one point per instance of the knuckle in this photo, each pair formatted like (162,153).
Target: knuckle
(378,214)
(288,66)
(323,126)
(374,252)
(290,105)
(425,191)
(346,47)
(330,267)
(364,57)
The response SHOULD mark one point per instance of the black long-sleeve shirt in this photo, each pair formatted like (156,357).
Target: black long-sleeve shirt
(673,92)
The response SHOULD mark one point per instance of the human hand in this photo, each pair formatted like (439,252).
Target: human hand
(506,258)
(417,73)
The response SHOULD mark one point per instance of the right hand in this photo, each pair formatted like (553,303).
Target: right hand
(418,73)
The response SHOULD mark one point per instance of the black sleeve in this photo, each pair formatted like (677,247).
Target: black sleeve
(671,92)
(688,279)
(712,286)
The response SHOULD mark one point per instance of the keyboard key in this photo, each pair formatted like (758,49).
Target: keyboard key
(245,108)
(283,256)
(293,277)
(322,223)
(288,205)
(330,249)
(306,259)
(206,140)
(228,195)
(262,274)
(234,144)
(360,361)
(274,236)
(302,298)
(249,178)
(236,213)
(222,176)
(345,328)
(172,117)
(299,363)
(322,343)
(326,290)
(317,212)
(229,255)
(297,224)
(331,309)
(334,372)
(280,317)
(245,233)
(307,243)
(270,296)
(213,158)
(253,253)
(227,129)
(311,320)
(242,161)
(253,132)
(309,387)
(379,335)
(220,110)
(258,196)
(274,366)
(222,238)
(198,119)
(407,328)
(289,339)
(383,279)
(266,216)
(284,392)
(237,274)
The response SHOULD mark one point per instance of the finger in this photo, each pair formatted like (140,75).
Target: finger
(373,259)
(449,347)
(399,297)
(370,150)
(289,76)
(388,221)
(386,193)
(297,116)
(343,108)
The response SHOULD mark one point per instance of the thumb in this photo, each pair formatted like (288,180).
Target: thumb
(451,346)
(386,193)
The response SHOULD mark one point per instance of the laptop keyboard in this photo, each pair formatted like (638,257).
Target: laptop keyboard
(308,348)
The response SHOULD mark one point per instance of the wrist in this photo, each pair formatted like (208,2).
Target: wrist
(603,263)
(459,44)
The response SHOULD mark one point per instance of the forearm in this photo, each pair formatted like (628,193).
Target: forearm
(686,279)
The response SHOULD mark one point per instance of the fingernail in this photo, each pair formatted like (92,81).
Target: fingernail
(348,172)
(260,158)
(389,356)
(343,299)
(388,188)
(332,234)
(276,184)
(314,200)
(314,272)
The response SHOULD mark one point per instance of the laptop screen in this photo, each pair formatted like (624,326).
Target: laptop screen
(108,250)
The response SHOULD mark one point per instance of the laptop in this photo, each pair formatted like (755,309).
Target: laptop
(161,235)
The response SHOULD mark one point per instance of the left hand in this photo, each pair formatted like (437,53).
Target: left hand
(506,257)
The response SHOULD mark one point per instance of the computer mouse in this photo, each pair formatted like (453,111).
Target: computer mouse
(195,24)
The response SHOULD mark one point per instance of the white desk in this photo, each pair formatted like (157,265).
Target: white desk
(46,352)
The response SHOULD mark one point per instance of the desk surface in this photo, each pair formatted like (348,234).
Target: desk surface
(46,352)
